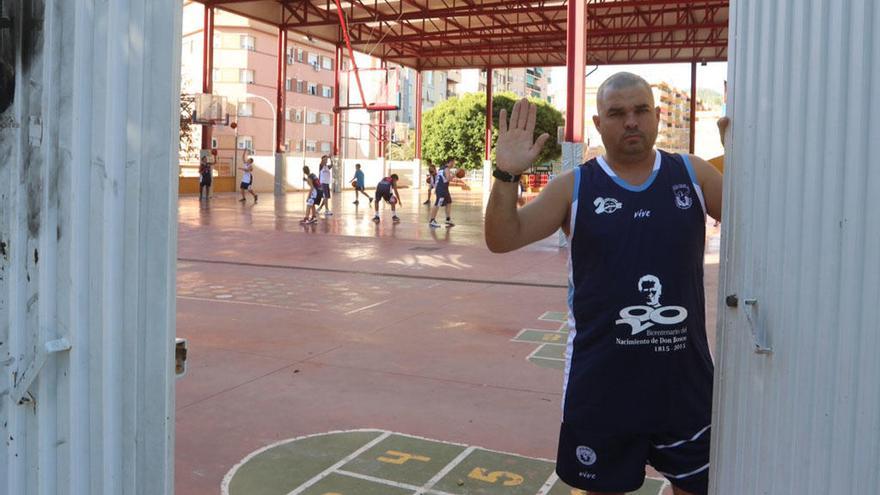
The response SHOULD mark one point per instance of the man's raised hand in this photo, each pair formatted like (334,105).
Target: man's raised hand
(516,149)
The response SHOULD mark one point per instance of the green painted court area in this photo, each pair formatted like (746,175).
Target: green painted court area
(374,462)
(550,351)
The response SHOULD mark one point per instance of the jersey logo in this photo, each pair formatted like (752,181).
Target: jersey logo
(683,197)
(643,317)
(586,455)
(642,214)
(607,205)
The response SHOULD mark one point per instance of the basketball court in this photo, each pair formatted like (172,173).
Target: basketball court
(353,358)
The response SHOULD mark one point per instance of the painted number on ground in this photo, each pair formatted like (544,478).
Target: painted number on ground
(510,479)
(396,457)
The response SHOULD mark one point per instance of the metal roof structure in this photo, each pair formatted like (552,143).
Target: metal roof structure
(456,34)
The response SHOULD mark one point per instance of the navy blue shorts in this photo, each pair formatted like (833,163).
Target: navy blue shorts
(442,197)
(325,189)
(383,191)
(246,185)
(597,461)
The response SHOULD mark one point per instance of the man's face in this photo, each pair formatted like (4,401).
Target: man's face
(627,120)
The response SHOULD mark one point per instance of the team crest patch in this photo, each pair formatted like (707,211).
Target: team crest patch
(683,197)
(586,455)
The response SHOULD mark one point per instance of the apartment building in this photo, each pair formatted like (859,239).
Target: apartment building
(529,81)
(245,71)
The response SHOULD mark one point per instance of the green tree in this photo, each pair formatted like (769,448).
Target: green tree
(455,128)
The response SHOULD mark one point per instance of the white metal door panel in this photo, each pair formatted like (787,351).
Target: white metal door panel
(801,253)
(88,187)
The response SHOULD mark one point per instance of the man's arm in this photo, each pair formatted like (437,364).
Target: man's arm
(711,182)
(397,194)
(506,227)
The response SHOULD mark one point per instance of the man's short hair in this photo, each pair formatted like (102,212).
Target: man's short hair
(357,165)
(305,169)
(621,80)
(394,177)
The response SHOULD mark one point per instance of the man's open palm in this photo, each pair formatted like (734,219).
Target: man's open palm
(516,149)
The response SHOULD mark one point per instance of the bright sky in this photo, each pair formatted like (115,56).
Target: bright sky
(711,76)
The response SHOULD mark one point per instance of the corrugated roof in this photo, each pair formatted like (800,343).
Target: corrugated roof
(454,34)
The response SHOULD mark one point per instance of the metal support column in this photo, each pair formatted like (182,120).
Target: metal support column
(487,156)
(418,138)
(280,89)
(208,67)
(693,130)
(336,119)
(576,61)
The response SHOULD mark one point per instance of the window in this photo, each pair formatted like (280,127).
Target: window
(324,118)
(245,109)
(325,147)
(313,59)
(287,145)
(214,143)
(313,88)
(299,86)
(311,145)
(245,143)
(297,116)
(288,114)
(246,76)
(248,42)
(215,75)
(288,85)
(326,91)
(311,117)
(299,54)
(299,145)
(218,40)
(327,63)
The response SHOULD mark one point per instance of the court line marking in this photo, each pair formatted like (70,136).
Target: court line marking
(367,307)
(548,485)
(229,301)
(383,481)
(345,460)
(428,487)
(380,274)
(224,486)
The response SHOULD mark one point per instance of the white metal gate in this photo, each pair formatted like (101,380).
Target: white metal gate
(797,386)
(88,188)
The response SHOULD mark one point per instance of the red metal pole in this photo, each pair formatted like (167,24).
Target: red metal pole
(489,78)
(576,61)
(280,90)
(693,136)
(336,100)
(208,67)
(381,135)
(419,114)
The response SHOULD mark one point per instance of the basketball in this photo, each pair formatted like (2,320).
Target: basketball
(427,180)
(460,173)
(233,125)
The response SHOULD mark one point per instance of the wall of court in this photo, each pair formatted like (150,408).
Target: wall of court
(88,188)
(800,251)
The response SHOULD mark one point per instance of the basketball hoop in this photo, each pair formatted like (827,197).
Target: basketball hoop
(210,109)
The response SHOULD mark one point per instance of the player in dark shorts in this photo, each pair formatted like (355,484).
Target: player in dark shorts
(387,190)
(638,373)
(314,197)
(205,178)
(441,193)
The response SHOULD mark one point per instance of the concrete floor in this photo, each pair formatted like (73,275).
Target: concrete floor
(349,325)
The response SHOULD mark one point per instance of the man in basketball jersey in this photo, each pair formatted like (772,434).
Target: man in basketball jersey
(638,376)
(384,191)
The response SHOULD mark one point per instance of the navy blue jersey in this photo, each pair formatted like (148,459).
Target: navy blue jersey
(638,358)
(440,182)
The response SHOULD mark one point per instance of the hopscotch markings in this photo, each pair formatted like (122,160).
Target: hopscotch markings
(428,487)
(401,457)
(557,316)
(548,485)
(481,474)
(383,481)
(341,463)
(550,352)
